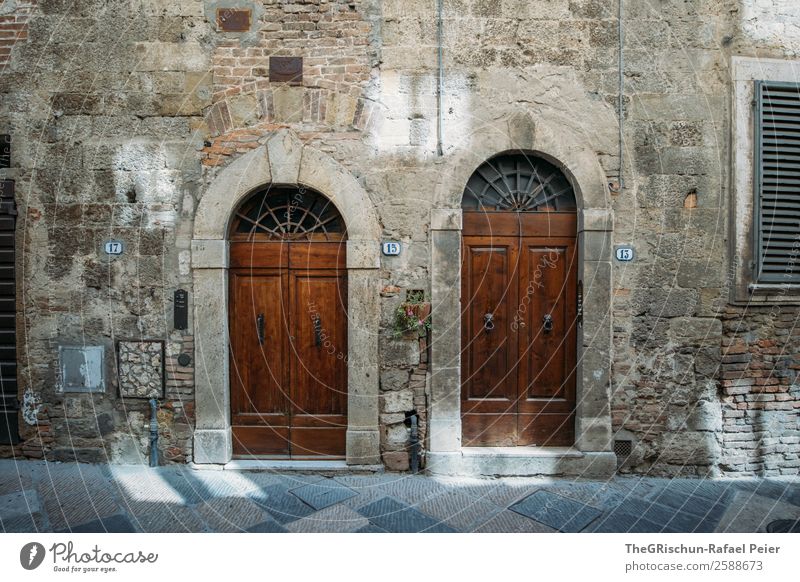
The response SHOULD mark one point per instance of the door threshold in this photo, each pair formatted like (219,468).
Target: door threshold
(522,462)
(338,466)
(528,451)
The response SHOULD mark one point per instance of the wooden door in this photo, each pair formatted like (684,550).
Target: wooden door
(519,329)
(288,325)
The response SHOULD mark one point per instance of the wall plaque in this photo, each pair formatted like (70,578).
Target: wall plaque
(233,19)
(286,70)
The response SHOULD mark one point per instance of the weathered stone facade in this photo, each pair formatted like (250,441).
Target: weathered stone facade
(142,121)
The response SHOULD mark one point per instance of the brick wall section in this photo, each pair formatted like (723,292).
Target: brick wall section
(332,36)
(760,392)
(177,415)
(14,27)
(333,39)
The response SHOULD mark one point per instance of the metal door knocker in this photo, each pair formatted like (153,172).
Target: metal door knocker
(260,328)
(317,331)
(488,321)
(548,323)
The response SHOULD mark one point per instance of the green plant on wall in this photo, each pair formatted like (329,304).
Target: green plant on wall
(412,317)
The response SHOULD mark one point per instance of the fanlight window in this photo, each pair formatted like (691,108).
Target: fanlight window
(288,214)
(519,183)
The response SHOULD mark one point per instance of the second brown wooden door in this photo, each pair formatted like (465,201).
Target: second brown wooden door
(519,329)
(288,330)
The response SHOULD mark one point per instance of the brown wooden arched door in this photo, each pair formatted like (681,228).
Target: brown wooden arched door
(519,305)
(288,326)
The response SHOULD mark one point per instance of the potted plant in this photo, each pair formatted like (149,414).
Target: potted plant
(412,319)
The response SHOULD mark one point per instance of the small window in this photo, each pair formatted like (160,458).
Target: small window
(777,182)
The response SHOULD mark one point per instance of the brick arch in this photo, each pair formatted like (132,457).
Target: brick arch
(573,154)
(283,160)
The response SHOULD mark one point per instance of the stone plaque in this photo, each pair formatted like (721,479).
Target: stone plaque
(141,369)
(286,70)
(81,369)
(233,19)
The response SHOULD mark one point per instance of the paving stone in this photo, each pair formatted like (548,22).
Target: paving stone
(780,490)
(70,498)
(283,506)
(748,512)
(111,524)
(411,489)
(371,529)
(709,510)
(696,488)
(556,511)
(19,503)
(669,517)
(499,492)
(396,517)
(269,526)
(621,522)
(323,493)
(460,511)
(509,522)
(164,518)
(191,488)
(595,494)
(230,514)
(15,476)
(333,519)
(28,523)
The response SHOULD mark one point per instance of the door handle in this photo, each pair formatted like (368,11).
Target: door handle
(317,331)
(548,323)
(260,328)
(488,321)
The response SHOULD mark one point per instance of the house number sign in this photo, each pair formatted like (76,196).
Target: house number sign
(391,249)
(624,253)
(114,247)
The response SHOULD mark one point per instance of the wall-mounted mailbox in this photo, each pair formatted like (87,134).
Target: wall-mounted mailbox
(181,309)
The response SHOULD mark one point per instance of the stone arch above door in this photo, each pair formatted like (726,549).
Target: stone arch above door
(283,160)
(571,153)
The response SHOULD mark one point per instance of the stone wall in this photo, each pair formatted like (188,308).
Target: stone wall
(138,104)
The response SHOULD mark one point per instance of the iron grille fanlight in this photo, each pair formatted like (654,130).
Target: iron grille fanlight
(288,214)
(519,183)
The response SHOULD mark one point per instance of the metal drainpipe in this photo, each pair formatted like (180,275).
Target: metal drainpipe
(440,88)
(621,92)
(153,432)
(414,443)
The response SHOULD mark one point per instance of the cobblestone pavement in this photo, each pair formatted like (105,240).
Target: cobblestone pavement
(63,497)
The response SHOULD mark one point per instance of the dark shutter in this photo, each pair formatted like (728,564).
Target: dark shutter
(777,181)
(9,430)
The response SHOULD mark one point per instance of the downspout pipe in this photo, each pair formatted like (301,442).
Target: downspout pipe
(440,84)
(621,92)
(153,432)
